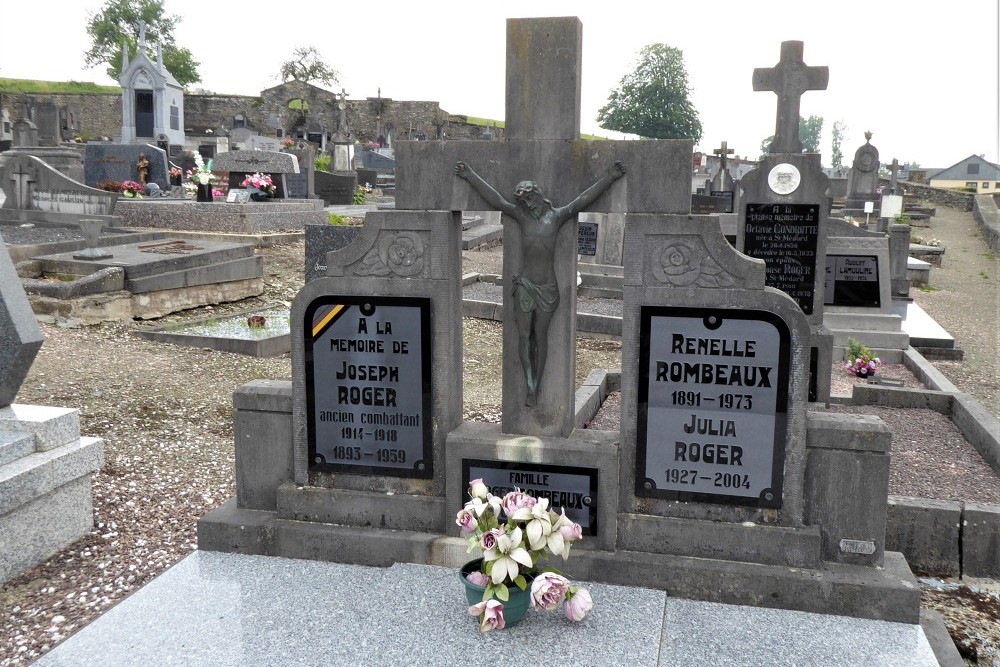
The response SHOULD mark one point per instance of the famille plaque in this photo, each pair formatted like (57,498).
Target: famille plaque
(712,405)
(569,488)
(368,385)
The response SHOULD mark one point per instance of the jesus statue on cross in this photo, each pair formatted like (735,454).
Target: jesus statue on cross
(535,290)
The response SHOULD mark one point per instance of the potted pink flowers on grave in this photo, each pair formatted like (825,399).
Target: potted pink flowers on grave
(515,532)
(260,185)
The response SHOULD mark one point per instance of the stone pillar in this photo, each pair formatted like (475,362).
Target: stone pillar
(899,254)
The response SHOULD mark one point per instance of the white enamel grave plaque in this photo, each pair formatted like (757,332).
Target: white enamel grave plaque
(713,396)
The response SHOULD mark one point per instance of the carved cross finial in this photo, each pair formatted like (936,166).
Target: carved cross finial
(788,80)
(722,152)
(142,34)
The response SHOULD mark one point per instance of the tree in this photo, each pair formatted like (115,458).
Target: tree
(809,130)
(118,22)
(307,65)
(653,100)
(836,155)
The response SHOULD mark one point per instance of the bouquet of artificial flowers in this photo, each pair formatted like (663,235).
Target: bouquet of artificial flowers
(202,173)
(515,532)
(260,183)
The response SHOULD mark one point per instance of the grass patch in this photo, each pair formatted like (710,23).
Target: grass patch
(989,254)
(34,86)
(983,275)
(334,219)
(928,288)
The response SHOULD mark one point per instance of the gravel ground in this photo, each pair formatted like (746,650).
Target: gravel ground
(164,412)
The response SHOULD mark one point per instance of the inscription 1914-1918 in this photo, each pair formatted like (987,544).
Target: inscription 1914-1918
(713,394)
(785,236)
(368,385)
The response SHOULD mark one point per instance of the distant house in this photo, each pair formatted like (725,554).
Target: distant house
(972,172)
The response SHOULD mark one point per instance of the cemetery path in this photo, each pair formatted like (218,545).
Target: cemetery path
(964,298)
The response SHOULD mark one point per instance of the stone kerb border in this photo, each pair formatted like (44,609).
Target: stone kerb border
(937,537)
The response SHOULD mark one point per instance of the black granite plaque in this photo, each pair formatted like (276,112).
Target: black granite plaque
(321,239)
(297,185)
(852,280)
(570,488)
(587,239)
(785,237)
(368,385)
(712,405)
(336,188)
(727,196)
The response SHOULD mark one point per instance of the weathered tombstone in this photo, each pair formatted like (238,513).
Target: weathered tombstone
(722,184)
(47,120)
(241,164)
(45,466)
(336,188)
(34,188)
(323,239)
(857,297)
(25,133)
(863,180)
(117,162)
(784,206)
(302,185)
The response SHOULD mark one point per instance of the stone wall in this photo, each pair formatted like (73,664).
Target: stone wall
(99,114)
(950,198)
(987,214)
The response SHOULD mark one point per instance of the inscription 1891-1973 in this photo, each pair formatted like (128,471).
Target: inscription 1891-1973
(713,394)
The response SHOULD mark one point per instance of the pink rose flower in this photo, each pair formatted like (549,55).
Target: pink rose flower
(571,532)
(490,615)
(489,539)
(578,605)
(466,520)
(516,500)
(548,590)
(478,578)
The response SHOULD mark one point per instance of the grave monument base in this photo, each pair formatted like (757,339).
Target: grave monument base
(890,593)
(804,567)
(45,481)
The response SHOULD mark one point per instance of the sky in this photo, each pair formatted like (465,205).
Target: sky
(923,81)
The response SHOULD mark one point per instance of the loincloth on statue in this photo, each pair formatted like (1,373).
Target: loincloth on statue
(531,297)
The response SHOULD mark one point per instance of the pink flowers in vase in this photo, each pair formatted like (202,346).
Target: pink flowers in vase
(259,182)
(860,360)
(514,532)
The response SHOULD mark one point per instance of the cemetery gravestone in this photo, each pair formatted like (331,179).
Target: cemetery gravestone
(722,184)
(863,179)
(117,162)
(34,189)
(241,164)
(784,206)
(765,525)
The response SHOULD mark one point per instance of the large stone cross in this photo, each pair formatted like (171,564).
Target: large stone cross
(788,80)
(722,151)
(541,144)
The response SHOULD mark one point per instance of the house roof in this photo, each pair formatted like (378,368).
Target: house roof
(959,171)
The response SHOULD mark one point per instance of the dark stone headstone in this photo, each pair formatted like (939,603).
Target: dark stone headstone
(785,236)
(587,239)
(296,186)
(369,176)
(336,188)
(116,162)
(726,195)
(705,204)
(321,239)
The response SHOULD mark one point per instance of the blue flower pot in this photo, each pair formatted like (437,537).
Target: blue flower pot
(513,610)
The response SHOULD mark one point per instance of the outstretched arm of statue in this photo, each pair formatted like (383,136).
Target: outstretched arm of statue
(590,195)
(485,190)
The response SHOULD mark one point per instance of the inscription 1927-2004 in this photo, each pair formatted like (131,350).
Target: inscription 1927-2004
(368,385)
(785,236)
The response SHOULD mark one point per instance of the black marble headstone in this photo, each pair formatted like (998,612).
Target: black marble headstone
(785,237)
